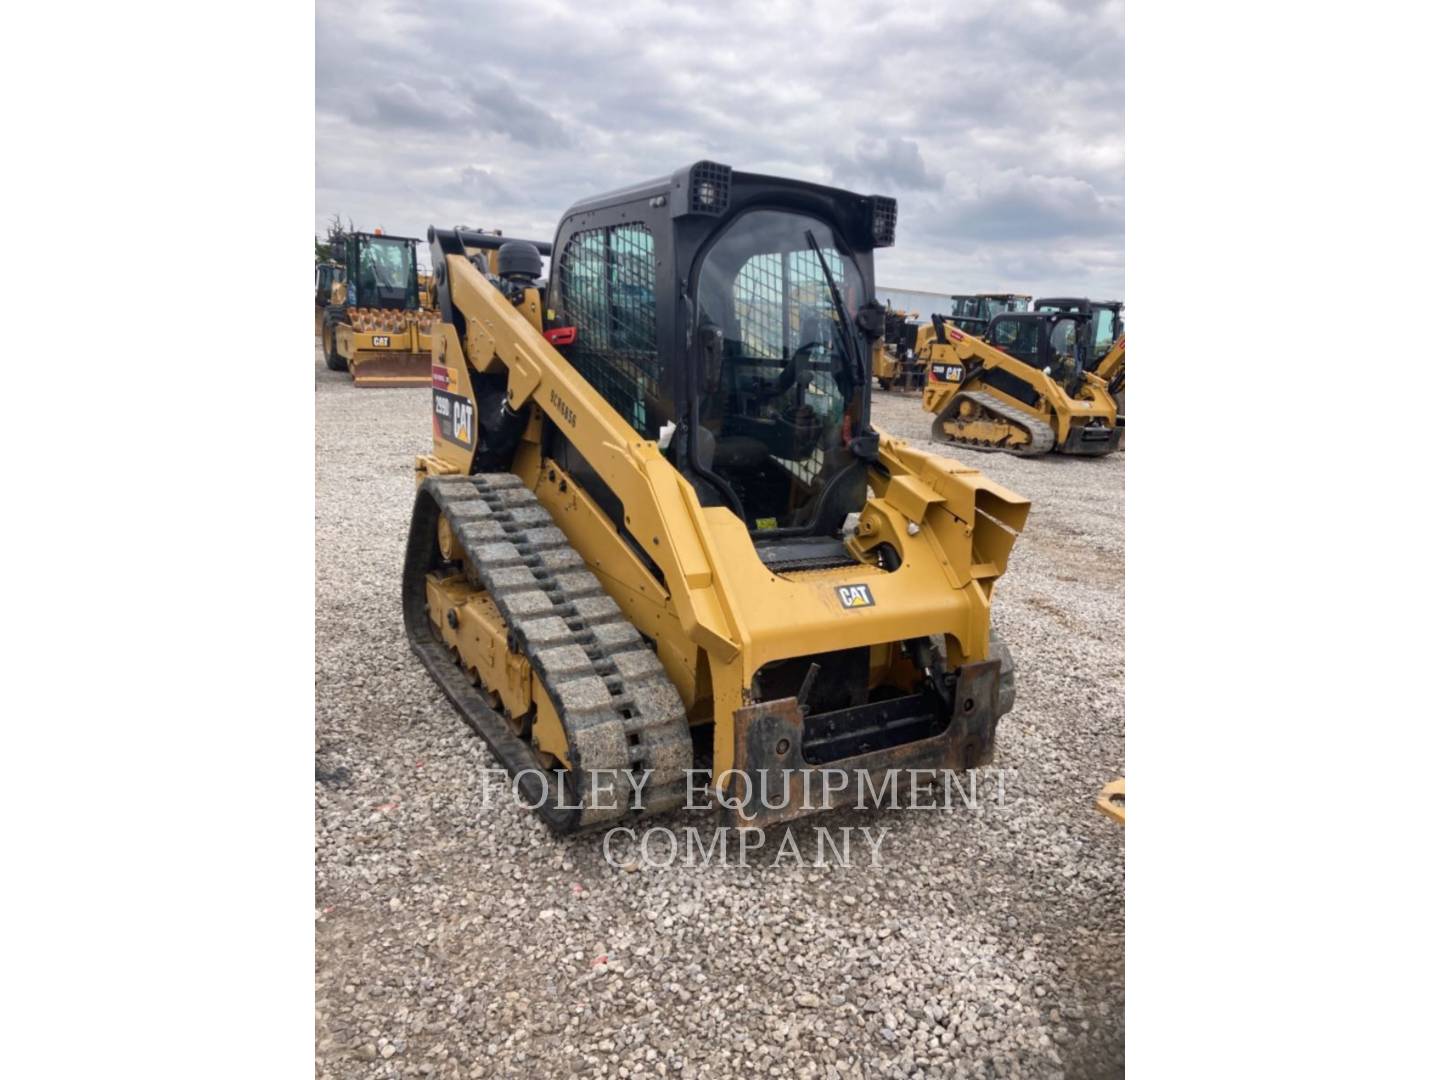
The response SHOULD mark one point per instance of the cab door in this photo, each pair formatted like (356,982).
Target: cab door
(1024,339)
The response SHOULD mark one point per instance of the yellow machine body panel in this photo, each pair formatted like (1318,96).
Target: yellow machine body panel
(1111,368)
(886,365)
(386,348)
(1113,362)
(1111,800)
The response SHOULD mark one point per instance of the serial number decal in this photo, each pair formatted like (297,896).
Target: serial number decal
(455,419)
(855,596)
(381,341)
(564,410)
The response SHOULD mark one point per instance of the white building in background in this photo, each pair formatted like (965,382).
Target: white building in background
(926,303)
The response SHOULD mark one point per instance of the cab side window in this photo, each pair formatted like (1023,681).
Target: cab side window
(1104,330)
(607,289)
(1020,338)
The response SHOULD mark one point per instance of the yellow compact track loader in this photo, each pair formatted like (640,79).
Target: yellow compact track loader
(657,533)
(376,326)
(1020,389)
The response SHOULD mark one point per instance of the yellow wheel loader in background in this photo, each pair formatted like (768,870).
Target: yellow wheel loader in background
(895,363)
(657,532)
(376,326)
(326,276)
(1020,389)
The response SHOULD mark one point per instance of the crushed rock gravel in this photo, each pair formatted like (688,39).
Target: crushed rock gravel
(454,940)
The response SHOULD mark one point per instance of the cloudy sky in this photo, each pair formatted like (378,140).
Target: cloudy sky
(999,127)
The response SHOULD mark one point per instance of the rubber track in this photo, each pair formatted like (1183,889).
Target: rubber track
(619,708)
(1042,438)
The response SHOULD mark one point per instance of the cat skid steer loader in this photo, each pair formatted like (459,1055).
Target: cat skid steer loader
(657,535)
(1020,389)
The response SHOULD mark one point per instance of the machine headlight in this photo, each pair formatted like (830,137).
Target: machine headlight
(709,188)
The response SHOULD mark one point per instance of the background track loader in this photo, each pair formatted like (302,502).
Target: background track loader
(657,531)
(1020,389)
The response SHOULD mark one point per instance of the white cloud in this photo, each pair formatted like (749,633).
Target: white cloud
(999,127)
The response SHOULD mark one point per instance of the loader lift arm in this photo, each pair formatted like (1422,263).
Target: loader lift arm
(503,336)
(1113,362)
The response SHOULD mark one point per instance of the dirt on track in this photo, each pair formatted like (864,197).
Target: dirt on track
(456,939)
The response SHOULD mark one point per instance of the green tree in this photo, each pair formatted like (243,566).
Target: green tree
(335,233)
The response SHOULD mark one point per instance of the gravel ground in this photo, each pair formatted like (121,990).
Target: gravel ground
(458,941)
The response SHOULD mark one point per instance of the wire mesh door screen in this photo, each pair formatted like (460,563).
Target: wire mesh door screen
(607,279)
(782,303)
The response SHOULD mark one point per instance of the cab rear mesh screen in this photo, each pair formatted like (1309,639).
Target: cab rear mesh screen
(607,288)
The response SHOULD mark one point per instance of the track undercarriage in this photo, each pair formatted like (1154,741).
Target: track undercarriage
(982,421)
(537,658)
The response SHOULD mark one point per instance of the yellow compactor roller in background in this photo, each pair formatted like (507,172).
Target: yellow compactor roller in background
(1020,389)
(657,531)
(377,326)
